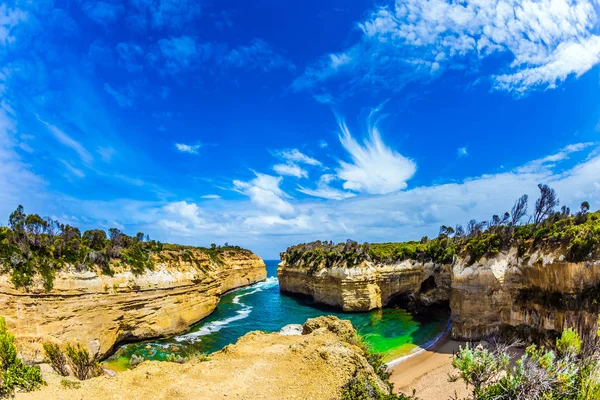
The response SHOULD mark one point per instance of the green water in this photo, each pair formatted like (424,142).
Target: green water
(392,331)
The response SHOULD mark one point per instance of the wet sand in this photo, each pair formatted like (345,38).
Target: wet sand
(428,373)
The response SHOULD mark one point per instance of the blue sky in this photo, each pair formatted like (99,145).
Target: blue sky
(268,123)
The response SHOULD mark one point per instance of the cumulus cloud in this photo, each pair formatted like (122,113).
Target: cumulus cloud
(374,167)
(188,148)
(543,42)
(264,192)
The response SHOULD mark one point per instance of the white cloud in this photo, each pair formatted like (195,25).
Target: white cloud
(296,156)
(74,171)
(124,100)
(290,170)
(325,191)
(462,152)
(102,12)
(323,143)
(259,55)
(188,148)
(68,141)
(375,168)
(9,18)
(211,196)
(264,191)
(551,160)
(546,41)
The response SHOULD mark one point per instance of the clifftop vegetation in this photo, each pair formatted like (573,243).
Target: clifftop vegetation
(576,235)
(32,245)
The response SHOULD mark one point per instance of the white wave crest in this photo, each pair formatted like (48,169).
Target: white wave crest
(242,313)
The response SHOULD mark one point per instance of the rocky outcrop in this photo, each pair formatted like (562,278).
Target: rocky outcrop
(315,365)
(100,311)
(368,285)
(533,297)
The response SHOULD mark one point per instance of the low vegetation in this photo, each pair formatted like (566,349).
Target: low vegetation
(75,360)
(576,235)
(14,375)
(31,245)
(571,371)
(360,388)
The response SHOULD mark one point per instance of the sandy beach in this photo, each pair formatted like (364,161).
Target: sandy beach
(427,373)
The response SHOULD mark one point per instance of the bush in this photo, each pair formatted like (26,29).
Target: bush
(569,374)
(56,358)
(13,373)
(82,365)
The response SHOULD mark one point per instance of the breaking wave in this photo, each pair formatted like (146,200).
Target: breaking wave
(242,313)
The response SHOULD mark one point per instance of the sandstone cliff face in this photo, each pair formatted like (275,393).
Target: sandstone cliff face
(312,366)
(534,297)
(100,311)
(368,285)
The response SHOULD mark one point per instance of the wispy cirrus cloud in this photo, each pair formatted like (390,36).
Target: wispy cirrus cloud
(265,192)
(374,167)
(69,142)
(188,148)
(542,42)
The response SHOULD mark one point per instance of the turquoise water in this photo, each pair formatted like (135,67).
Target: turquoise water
(392,330)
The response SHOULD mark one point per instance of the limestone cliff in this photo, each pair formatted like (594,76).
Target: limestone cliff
(367,285)
(313,366)
(534,295)
(100,311)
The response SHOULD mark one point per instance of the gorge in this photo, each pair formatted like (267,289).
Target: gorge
(521,283)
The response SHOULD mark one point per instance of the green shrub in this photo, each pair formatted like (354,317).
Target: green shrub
(56,358)
(32,246)
(68,384)
(568,374)
(13,373)
(83,366)
(569,343)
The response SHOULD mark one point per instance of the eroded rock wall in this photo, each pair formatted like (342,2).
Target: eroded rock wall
(536,297)
(100,311)
(533,297)
(368,285)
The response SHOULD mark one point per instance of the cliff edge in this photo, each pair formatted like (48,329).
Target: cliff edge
(178,288)
(315,365)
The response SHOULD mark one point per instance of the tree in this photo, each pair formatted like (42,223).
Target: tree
(519,210)
(446,231)
(459,231)
(115,236)
(139,236)
(545,204)
(16,220)
(585,207)
(35,225)
(95,239)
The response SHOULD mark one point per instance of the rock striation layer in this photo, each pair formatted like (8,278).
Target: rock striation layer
(100,311)
(533,296)
(368,285)
(315,365)
(537,296)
